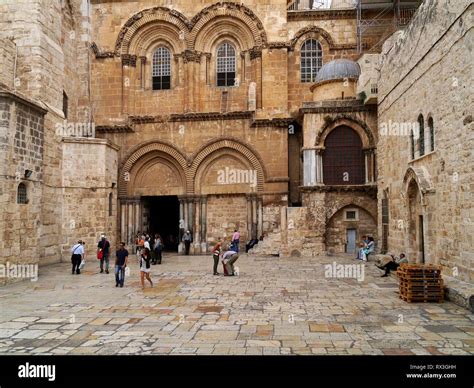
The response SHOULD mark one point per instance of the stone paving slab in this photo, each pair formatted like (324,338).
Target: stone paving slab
(276,306)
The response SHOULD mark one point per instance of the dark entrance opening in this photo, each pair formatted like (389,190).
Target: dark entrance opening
(163,218)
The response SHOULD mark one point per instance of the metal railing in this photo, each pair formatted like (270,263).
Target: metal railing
(320,5)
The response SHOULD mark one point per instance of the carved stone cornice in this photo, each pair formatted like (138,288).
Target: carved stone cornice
(278,45)
(129,60)
(276,122)
(329,14)
(211,116)
(101,54)
(191,56)
(369,189)
(255,52)
(114,129)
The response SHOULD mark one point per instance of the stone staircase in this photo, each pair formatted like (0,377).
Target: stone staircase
(270,246)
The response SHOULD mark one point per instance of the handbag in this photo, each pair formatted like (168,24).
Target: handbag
(82,265)
(100,254)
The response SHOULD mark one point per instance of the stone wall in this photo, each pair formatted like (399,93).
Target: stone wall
(89,177)
(336,231)
(429,74)
(224,215)
(21,146)
(7,62)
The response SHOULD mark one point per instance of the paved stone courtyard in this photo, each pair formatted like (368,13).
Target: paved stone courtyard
(275,306)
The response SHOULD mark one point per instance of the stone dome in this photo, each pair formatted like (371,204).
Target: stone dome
(338,69)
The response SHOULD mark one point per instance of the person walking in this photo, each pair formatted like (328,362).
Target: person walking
(187,238)
(235,240)
(77,257)
(120,265)
(216,251)
(103,253)
(145,259)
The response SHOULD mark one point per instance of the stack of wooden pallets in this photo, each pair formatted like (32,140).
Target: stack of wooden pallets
(420,283)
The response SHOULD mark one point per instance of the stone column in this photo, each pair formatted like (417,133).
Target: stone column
(130,221)
(366,166)
(203,224)
(123,218)
(186,214)
(319,166)
(191,220)
(137,216)
(259,217)
(309,167)
(255,218)
(182,223)
(249,214)
(197,225)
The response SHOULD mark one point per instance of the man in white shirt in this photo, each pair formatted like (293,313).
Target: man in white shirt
(228,260)
(77,256)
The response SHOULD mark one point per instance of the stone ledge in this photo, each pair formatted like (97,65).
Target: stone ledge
(459,292)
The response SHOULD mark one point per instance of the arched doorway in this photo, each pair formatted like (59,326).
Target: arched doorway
(345,229)
(416,232)
(343,158)
(151,180)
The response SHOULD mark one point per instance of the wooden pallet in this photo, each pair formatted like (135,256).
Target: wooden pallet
(422,299)
(420,283)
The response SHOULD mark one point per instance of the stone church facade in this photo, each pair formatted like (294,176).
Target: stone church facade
(166,116)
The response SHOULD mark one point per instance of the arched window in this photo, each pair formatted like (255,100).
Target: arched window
(161,69)
(21,194)
(432,136)
(421,124)
(343,158)
(311,60)
(412,144)
(226,65)
(111,197)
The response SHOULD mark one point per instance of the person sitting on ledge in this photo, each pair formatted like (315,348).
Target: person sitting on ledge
(250,244)
(393,264)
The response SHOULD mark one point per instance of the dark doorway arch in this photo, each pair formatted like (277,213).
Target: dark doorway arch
(343,158)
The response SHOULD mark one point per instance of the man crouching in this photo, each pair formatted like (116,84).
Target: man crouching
(228,260)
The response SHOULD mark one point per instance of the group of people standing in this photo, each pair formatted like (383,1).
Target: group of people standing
(154,245)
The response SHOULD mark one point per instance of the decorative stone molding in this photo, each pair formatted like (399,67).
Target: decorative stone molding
(255,52)
(141,150)
(148,16)
(421,176)
(129,60)
(369,189)
(191,56)
(358,125)
(211,116)
(324,34)
(190,28)
(250,154)
(278,45)
(114,129)
(235,10)
(284,122)
(101,54)
(329,14)
(359,202)
(336,107)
